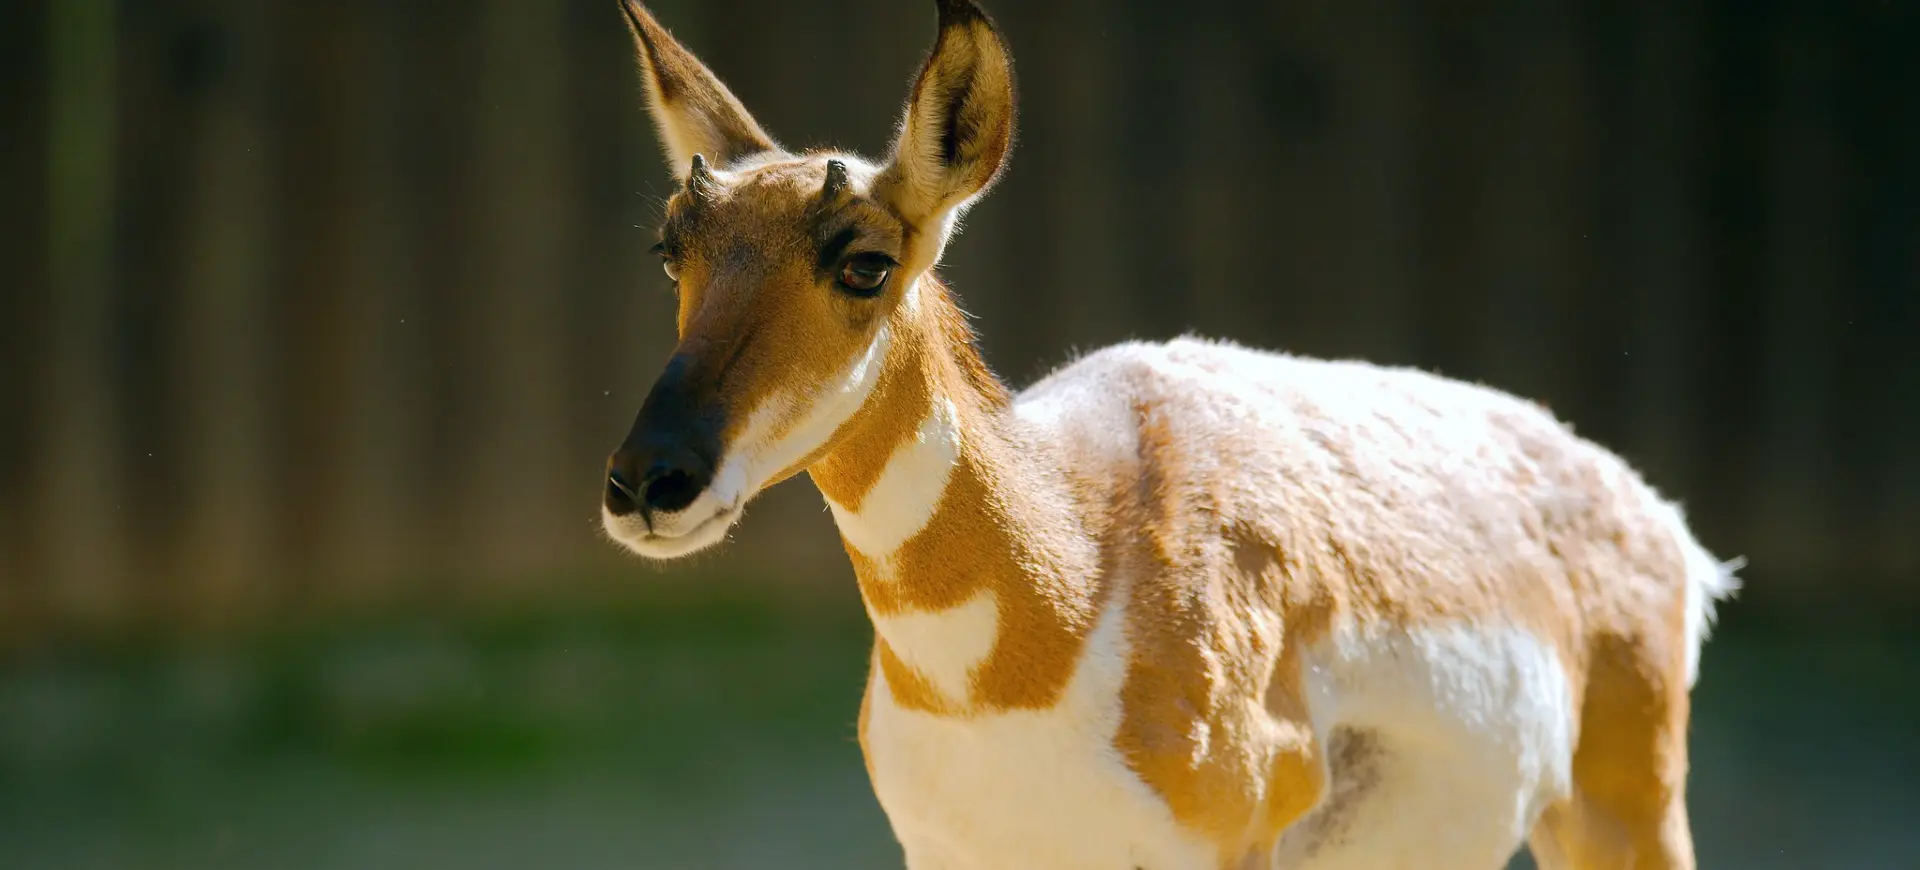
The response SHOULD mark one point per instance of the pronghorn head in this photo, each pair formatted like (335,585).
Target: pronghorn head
(796,275)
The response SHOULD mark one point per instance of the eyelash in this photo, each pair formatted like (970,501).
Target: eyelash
(667,258)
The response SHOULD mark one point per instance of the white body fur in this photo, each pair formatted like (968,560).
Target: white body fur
(1450,739)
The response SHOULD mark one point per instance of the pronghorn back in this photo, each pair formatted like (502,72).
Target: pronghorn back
(1397,563)
(1177,606)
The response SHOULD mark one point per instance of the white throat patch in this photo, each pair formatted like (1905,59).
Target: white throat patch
(903,500)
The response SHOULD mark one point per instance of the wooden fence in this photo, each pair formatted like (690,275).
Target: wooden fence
(321,303)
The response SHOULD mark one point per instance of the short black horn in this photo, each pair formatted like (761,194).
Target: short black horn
(836,181)
(700,180)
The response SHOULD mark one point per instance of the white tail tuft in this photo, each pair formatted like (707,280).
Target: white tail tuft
(1709,581)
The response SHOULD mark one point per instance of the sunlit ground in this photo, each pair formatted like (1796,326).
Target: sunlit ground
(721,736)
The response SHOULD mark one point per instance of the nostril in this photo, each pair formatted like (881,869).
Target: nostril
(622,496)
(669,490)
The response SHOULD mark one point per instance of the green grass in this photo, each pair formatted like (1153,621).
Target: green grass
(719,734)
(442,698)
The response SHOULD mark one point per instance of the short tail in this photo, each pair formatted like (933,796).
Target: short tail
(1709,581)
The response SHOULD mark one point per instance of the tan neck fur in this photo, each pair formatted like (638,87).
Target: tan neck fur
(947,515)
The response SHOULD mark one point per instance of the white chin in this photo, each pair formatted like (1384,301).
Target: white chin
(672,541)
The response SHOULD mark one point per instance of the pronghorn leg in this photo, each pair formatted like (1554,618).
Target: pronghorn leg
(1579,834)
(1628,807)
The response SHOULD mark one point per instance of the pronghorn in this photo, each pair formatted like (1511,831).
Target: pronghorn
(1176,606)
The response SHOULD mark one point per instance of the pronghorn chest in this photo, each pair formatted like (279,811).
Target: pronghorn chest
(1022,788)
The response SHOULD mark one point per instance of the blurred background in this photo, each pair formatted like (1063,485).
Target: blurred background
(317,321)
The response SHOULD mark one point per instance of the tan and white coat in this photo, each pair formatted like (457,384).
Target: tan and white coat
(1176,606)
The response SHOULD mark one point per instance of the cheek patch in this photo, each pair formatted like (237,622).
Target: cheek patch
(782,431)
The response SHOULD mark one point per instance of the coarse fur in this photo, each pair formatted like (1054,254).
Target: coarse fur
(1178,605)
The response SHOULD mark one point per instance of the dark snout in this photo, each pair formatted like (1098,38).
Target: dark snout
(668,457)
(657,480)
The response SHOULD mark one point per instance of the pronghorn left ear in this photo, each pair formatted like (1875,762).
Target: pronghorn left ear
(958,125)
(695,112)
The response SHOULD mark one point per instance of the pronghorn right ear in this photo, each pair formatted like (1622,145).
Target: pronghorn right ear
(958,125)
(695,112)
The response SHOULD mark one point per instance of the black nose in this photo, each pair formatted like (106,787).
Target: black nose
(657,482)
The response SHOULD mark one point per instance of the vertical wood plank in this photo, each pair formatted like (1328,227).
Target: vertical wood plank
(1529,222)
(438,201)
(167,61)
(1154,124)
(225,555)
(1658,271)
(1735,126)
(322,72)
(1803,310)
(81,511)
(511,484)
(1877,368)
(23,308)
(1373,58)
(1211,230)
(1449,185)
(369,540)
(1330,222)
(1088,292)
(1893,267)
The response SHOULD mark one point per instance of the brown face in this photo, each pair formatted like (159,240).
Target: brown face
(796,276)
(786,286)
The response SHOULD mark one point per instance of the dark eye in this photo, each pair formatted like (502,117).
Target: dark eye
(865,274)
(667,260)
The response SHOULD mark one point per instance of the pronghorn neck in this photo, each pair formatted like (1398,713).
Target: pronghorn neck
(966,554)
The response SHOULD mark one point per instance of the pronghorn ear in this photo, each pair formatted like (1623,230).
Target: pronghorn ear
(958,124)
(695,112)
